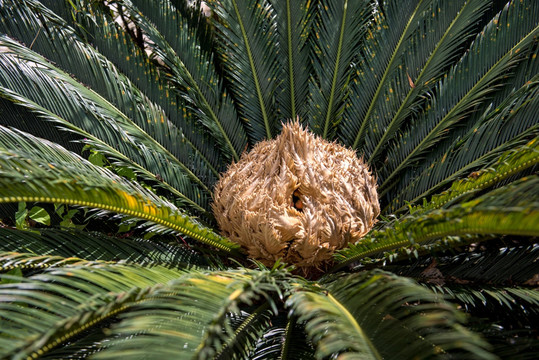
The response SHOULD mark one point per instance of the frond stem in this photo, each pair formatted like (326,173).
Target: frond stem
(253,70)
(418,80)
(384,77)
(455,108)
(355,325)
(287,337)
(290,60)
(335,71)
(242,327)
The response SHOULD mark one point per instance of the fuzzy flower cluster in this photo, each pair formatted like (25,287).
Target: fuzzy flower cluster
(296,197)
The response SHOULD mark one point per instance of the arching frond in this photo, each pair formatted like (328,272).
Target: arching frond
(113,92)
(378,64)
(342,24)
(513,162)
(510,125)
(512,209)
(447,27)
(118,159)
(61,94)
(294,23)
(45,310)
(190,318)
(465,92)
(484,265)
(250,57)
(175,39)
(96,246)
(36,170)
(285,339)
(353,316)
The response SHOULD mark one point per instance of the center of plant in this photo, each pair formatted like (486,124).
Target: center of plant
(296,197)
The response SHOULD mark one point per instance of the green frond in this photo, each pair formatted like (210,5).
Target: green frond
(35,170)
(510,298)
(247,331)
(510,163)
(448,26)
(510,125)
(176,41)
(343,25)
(112,91)
(118,159)
(483,265)
(13,115)
(97,246)
(20,262)
(250,58)
(45,310)
(388,36)
(119,47)
(294,22)
(356,316)
(283,339)
(509,210)
(491,56)
(60,94)
(190,318)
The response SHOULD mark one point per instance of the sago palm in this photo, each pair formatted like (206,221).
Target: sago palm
(120,117)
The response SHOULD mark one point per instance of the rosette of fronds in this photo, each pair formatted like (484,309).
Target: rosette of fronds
(160,199)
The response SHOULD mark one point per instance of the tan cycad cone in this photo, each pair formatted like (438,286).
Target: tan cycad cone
(297,197)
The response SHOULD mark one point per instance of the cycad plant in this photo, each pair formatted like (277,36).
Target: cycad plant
(119,116)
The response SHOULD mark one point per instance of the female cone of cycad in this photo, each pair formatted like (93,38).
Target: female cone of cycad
(296,197)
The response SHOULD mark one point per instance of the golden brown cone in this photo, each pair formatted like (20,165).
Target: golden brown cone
(297,197)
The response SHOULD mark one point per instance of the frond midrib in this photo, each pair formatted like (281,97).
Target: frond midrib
(350,318)
(454,109)
(417,81)
(290,60)
(384,77)
(253,70)
(335,71)
(9,95)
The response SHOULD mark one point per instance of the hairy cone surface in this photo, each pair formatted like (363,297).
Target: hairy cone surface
(297,197)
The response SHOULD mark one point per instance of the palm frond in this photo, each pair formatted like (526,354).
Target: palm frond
(510,163)
(58,92)
(492,55)
(176,42)
(294,22)
(16,262)
(97,246)
(35,170)
(378,64)
(13,115)
(447,27)
(353,316)
(250,58)
(481,265)
(45,310)
(510,298)
(118,46)
(151,122)
(191,315)
(118,159)
(247,331)
(510,125)
(511,209)
(343,25)
(285,339)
